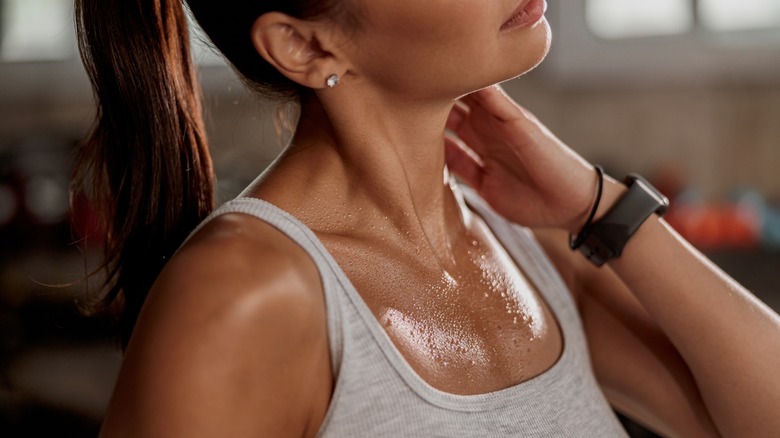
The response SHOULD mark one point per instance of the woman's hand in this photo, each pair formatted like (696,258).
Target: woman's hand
(516,164)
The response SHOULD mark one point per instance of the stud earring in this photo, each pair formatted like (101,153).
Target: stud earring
(332,80)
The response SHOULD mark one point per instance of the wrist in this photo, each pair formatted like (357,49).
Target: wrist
(612,192)
(625,209)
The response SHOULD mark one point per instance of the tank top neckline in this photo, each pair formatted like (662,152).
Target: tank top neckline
(467,403)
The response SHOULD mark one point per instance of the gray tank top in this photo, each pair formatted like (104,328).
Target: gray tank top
(378,394)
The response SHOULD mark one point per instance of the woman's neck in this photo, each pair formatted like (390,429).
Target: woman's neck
(382,159)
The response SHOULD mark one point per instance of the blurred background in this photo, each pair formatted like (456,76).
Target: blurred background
(686,92)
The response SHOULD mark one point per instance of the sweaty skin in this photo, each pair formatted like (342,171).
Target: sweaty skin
(372,185)
(232,340)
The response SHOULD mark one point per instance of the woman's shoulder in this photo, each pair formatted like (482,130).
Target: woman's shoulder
(238,273)
(235,260)
(242,305)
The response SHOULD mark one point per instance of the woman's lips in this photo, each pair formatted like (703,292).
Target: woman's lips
(529,13)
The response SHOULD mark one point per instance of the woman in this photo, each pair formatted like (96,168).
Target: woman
(354,290)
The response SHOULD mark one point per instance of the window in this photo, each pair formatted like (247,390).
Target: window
(727,15)
(614,19)
(36,30)
(42,30)
(686,42)
(634,18)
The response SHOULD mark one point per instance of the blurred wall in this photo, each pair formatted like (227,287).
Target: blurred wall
(721,137)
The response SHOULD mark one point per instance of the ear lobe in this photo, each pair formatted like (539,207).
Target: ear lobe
(292,47)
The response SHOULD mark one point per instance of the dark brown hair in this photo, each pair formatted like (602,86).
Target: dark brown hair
(228,26)
(145,166)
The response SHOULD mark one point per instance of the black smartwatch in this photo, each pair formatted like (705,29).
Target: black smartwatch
(607,237)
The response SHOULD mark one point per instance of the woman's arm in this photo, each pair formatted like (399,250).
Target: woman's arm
(728,340)
(232,341)
(637,367)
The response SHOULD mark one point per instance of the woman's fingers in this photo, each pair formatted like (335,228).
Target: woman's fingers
(467,127)
(458,117)
(463,162)
(495,102)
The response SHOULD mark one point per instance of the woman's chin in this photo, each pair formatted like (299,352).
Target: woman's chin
(534,52)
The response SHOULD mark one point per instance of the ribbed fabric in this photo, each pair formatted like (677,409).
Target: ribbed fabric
(378,394)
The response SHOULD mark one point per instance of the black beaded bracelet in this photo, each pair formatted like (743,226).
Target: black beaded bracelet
(575,241)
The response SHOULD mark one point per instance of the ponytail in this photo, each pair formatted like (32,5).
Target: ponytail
(145,165)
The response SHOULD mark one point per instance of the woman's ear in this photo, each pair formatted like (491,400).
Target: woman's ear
(295,48)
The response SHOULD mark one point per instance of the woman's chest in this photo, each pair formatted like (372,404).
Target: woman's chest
(473,330)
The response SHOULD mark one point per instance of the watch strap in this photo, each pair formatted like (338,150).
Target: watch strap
(607,237)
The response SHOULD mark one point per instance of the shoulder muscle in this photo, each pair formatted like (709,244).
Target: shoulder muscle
(231,336)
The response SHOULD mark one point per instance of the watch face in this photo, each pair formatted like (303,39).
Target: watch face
(661,200)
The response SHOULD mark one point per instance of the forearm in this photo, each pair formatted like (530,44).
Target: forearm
(728,338)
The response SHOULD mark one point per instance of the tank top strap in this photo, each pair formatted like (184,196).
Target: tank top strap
(377,393)
(306,239)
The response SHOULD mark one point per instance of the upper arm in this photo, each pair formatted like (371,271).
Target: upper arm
(639,369)
(229,343)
